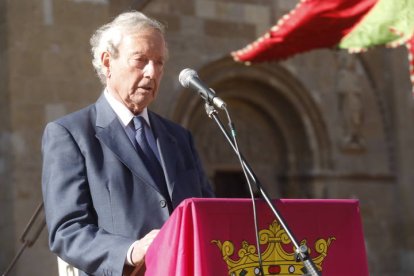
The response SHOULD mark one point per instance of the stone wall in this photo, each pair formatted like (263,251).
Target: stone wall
(339,126)
(49,74)
(7,228)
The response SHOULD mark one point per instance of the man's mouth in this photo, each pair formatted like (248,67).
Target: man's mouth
(146,88)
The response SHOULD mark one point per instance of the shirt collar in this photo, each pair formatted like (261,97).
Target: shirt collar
(124,114)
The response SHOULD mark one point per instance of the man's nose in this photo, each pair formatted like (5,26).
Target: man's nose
(149,69)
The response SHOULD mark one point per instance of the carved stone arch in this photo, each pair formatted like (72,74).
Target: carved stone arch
(279,128)
(380,87)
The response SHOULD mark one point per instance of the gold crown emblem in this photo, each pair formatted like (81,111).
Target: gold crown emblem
(275,258)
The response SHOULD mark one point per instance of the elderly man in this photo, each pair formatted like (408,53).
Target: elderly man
(114,171)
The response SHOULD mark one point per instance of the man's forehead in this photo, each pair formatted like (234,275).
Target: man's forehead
(148,33)
(151,39)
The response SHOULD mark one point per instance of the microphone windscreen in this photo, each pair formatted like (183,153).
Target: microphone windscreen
(186,75)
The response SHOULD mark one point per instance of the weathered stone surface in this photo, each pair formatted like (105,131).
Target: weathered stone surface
(323,124)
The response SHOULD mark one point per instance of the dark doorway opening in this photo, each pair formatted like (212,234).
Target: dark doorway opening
(230,184)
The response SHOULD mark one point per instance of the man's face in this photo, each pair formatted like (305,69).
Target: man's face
(134,76)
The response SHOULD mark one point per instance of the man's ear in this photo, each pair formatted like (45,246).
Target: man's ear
(106,61)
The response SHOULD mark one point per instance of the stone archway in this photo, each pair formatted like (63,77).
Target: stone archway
(279,129)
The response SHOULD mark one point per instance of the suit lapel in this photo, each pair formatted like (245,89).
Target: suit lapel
(111,132)
(167,147)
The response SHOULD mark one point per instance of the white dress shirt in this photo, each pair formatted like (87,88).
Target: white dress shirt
(126,116)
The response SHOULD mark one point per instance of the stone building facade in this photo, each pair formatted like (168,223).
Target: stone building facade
(323,124)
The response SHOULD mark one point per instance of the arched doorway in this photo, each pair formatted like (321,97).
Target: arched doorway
(279,130)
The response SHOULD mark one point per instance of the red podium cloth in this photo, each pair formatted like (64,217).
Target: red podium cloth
(188,243)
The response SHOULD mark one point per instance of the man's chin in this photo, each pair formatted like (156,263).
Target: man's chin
(137,107)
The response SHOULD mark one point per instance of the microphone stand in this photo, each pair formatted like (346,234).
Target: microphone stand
(301,251)
(28,242)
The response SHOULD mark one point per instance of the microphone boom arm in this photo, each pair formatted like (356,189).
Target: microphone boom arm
(301,251)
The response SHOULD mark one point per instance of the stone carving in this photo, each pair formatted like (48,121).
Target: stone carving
(350,105)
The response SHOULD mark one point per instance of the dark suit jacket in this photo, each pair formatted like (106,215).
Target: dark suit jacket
(99,197)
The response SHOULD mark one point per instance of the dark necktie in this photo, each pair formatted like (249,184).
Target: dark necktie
(150,160)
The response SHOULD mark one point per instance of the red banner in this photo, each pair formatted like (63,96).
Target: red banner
(311,25)
(216,237)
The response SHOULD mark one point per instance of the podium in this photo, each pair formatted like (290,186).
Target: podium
(216,237)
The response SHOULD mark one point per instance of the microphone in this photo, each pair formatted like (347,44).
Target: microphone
(189,79)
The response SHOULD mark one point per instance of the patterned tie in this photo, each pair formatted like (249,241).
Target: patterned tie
(150,160)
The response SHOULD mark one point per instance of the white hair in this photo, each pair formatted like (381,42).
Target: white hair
(109,36)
